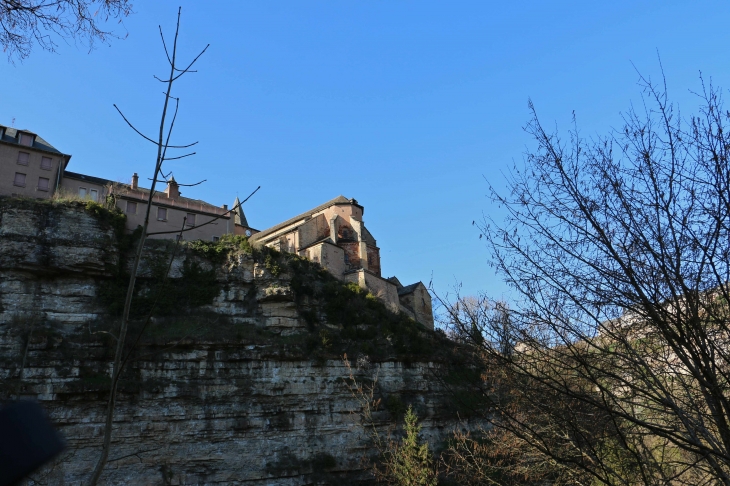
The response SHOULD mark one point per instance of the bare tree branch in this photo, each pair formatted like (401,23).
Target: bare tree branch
(25,23)
(180,157)
(617,367)
(145,136)
(119,358)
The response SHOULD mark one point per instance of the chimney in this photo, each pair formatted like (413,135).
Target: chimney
(135,180)
(225,206)
(172,188)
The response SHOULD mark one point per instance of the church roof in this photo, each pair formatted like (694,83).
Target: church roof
(395,280)
(409,289)
(321,207)
(238,216)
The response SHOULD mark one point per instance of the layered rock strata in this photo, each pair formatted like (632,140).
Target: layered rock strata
(214,398)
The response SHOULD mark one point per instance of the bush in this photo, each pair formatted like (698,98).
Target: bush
(218,251)
(409,463)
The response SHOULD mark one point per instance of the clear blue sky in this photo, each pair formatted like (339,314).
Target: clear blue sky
(406,106)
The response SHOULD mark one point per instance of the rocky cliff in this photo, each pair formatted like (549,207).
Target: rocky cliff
(237,380)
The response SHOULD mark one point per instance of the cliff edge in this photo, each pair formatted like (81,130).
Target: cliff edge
(238,379)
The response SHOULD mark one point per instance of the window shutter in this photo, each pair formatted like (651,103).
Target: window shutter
(26,139)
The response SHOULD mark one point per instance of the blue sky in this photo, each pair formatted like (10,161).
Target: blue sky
(407,106)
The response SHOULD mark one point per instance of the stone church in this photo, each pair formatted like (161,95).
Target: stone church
(334,235)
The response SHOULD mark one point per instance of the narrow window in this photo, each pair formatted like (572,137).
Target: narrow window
(43,184)
(23,158)
(26,139)
(46,163)
(94,194)
(82,192)
(131,207)
(19,180)
(216,239)
(190,221)
(161,214)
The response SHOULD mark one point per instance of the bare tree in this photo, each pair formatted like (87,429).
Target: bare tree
(124,350)
(162,143)
(619,250)
(24,23)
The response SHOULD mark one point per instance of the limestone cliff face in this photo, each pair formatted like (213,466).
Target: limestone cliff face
(243,390)
(49,259)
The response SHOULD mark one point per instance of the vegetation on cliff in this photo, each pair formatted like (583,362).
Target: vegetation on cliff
(106,213)
(340,317)
(334,318)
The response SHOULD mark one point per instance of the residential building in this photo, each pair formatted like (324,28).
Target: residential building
(32,167)
(171,212)
(29,166)
(84,186)
(202,221)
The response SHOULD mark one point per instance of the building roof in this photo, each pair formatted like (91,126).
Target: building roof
(84,177)
(368,237)
(11,136)
(409,289)
(338,200)
(238,215)
(395,280)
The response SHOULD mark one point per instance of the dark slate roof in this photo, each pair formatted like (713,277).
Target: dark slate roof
(408,289)
(367,237)
(274,229)
(239,216)
(10,136)
(84,177)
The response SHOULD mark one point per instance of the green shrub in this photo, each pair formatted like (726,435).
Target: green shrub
(410,463)
(218,251)
(272,264)
(112,216)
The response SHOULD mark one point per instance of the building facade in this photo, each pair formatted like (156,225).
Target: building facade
(170,211)
(334,235)
(32,167)
(29,166)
